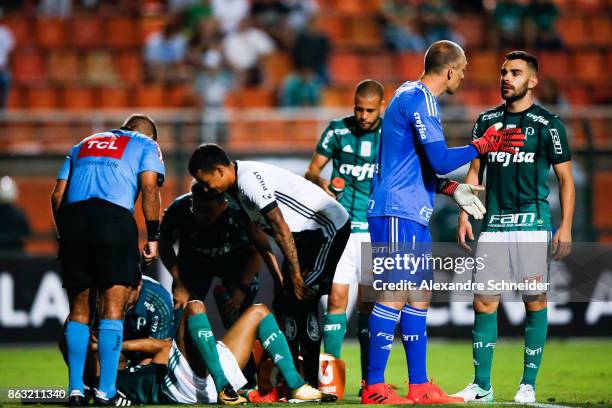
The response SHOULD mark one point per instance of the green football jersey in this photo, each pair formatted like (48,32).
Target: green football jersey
(353,152)
(517,185)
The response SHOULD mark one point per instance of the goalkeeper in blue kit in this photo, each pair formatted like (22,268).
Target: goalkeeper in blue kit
(412,151)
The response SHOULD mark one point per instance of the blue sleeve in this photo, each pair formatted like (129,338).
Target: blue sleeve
(444,160)
(151,158)
(64,172)
(425,119)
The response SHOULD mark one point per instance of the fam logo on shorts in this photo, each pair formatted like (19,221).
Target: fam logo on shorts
(107,145)
(290,327)
(312,327)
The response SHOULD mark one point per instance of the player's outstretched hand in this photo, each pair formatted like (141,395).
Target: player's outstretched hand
(464,229)
(149,253)
(180,296)
(466,197)
(496,140)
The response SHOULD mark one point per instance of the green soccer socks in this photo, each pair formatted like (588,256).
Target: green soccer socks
(484,337)
(535,338)
(334,329)
(274,342)
(204,340)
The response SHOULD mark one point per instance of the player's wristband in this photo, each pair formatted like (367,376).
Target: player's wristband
(447,187)
(153,233)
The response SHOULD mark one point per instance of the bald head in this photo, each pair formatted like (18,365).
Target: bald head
(442,55)
(142,124)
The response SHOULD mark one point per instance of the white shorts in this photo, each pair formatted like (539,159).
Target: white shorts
(184,387)
(348,270)
(513,257)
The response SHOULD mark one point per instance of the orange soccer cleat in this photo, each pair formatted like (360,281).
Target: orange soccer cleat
(381,394)
(430,393)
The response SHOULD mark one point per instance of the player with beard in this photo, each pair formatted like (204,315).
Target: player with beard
(517,228)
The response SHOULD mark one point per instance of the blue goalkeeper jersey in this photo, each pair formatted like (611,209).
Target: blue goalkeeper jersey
(405,183)
(107,166)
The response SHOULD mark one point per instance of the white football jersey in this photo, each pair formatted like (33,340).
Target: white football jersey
(304,205)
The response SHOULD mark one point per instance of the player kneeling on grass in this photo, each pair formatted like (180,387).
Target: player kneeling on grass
(194,368)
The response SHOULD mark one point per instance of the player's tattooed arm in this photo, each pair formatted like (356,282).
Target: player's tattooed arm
(313,173)
(260,240)
(284,239)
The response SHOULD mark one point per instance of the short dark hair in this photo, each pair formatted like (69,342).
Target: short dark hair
(530,59)
(440,55)
(206,157)
(370,87)
(140,123)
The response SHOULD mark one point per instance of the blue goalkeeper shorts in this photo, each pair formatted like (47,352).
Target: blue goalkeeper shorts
(401,250)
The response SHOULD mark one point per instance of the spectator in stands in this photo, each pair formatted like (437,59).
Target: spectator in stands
(213,79)
(14,227)
(398,20)
(301,88)
(550,96)
(230,13)
(436,18)
(300,13)
(311,51)
(244,50)
(271,16)
(509,17)
(7,43)
(165,52)
(541,32)
(55,8)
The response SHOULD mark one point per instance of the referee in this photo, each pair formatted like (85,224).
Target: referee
(93,205)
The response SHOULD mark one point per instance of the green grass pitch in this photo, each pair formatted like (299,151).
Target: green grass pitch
(574,372)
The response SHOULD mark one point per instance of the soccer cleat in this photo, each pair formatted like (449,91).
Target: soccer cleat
(473,393)
(307,393)
(228,396)
(121,400)
(525,394)
(380,393)
(76,399)
(255,396)
(430,393)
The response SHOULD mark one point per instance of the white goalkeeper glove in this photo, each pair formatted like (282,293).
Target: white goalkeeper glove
(466,197)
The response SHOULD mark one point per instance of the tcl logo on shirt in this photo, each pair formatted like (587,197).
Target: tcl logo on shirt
(104,146)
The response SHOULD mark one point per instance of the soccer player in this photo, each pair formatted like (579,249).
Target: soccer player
(412,150)
(212,241)
(149,315)
(178,375)
(96,189)
(351,143)
(518,223)
(309,226)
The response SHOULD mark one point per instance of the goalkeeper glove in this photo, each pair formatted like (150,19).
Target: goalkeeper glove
(495,140)
(466,197)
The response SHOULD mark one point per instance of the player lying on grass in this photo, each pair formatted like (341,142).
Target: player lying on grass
(149,315)
(181,370)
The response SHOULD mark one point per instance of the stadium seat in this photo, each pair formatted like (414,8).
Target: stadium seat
(483,67)
(380,66)
(578,96)
(470,96)
(409,66)
(573,31)
(77,98)
(21,28)
(337,97)
(113,97)
(601,31)
(471,28)
(63,66)
(39,97)
(99,67)
(602,189)
(555,65)
(180,96)
(129,65)
(86,32)
(276,67)
(122,32)
(588,66)
(15,98)
(251,98)
(50,32)
(333,26)
(28,65)
(149,25)
(150,96)
(363,32)
(346,68)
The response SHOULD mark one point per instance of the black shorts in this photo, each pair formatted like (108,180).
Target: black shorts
(320,255)
(98,245)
